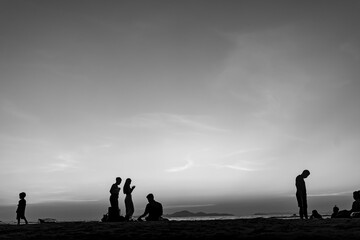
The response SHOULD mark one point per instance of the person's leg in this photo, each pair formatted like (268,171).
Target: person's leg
(131,209)
(112,201)
(304,203)
(300,205)
(26,222)
(301,212)
(116,203)
(127,209)
(305,212)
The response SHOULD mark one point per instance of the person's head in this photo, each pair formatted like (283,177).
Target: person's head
(150,197)
(118,180)
(127,185)
(335,209)
(356,195)
(305,173)
(314,212)
(22,195)
(127,181)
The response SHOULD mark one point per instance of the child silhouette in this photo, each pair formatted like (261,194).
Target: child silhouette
(20,212)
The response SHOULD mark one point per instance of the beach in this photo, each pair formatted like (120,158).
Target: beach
(257,228)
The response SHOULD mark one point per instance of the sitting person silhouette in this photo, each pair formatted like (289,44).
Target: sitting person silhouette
(355,209)
(335,212)
(153,209)
(315,215)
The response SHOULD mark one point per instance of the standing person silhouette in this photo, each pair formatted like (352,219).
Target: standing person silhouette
(20,211)
(129,205)
(301,193)
(114,191)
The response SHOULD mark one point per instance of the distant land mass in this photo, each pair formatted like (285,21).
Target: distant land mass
(198,214)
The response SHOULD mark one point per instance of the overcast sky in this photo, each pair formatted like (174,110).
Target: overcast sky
(196,101)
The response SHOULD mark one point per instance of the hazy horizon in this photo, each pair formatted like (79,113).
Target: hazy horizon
(217,105)
(94,210)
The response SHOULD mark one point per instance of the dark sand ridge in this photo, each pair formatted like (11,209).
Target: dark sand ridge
(258,228)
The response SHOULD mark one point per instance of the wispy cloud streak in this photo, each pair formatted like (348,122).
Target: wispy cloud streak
(8,107)
(241,160)
(63,162)
(169,121)
(182,168)
(330,194)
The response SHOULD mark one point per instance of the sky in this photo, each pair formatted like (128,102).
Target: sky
(209,105)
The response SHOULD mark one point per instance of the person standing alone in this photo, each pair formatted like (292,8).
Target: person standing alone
(20,211)
(301,193)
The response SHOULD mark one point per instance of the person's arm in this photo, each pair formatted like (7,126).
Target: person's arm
(353,207)
(112,189)
(131,189)
(21,206)
(144,214)
(300,185)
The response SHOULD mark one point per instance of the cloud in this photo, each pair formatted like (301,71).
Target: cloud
(235,167)
(247,160)
(17,140)
(242,151)
(15,111)
(179,169)
(241,168)
(352,49)
(170,121)
(330,194)
(189,161)
(65,161)
(63,200)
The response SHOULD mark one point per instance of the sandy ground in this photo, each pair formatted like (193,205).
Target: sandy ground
(216,229)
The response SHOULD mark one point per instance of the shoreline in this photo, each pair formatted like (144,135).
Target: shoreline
(257,228)
(174,219)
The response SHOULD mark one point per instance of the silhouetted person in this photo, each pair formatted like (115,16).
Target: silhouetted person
(335,212)
(301,193)
(356,204)
(315,215)
(20,211)
(114,210)
(355,209)
(114,191)
(129,205)
(154,209)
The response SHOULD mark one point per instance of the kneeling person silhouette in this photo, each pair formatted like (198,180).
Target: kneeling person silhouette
(153,209)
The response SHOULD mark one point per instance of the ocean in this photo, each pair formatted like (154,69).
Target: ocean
(278,216)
